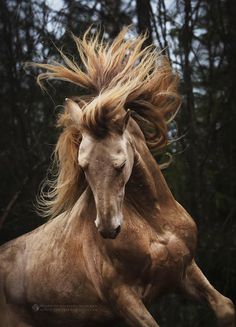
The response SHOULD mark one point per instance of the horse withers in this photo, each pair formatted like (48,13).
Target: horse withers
(117,239)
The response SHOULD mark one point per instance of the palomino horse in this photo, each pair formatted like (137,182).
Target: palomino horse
(118,240)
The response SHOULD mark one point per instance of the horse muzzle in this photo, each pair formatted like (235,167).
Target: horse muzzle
(109,226)
(110,233)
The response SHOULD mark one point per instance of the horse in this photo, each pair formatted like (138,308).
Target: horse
(117,239)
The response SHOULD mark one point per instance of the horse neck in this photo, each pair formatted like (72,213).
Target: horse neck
(147,189)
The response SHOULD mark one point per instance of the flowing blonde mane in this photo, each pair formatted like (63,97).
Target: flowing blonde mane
(120,75)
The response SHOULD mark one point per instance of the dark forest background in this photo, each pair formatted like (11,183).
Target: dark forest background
(200,36)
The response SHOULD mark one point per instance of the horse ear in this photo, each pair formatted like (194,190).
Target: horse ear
(123,122)
(74,110)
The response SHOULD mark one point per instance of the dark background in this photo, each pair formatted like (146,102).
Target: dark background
(201,40)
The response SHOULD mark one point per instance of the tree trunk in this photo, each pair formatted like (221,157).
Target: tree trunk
(144,15)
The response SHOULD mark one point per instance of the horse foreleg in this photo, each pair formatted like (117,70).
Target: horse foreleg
(196,285)
(128,305)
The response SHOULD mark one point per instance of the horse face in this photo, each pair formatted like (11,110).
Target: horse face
(107,164)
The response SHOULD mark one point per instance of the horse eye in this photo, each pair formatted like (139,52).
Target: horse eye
(120,167)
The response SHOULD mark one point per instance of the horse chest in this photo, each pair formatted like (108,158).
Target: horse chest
(171,254)
(152,257)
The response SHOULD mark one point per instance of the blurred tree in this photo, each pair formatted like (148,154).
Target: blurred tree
(24,122)
(144,21)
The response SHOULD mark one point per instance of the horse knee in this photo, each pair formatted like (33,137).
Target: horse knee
(225,313)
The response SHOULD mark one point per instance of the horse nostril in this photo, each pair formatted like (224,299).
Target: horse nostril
(117,230)
(110,233)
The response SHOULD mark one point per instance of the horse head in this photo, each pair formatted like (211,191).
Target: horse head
(107,163)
